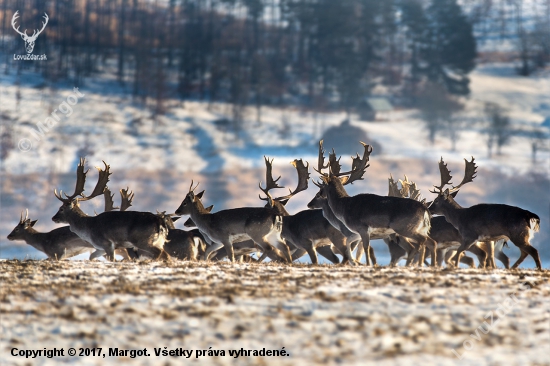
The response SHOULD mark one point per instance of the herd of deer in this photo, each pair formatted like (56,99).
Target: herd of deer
(335,223)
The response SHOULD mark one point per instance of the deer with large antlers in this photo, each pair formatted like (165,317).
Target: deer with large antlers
(29,40)
(485,222)
(307,230)
(368,214)
(223,228)
(446,235)
(114,229)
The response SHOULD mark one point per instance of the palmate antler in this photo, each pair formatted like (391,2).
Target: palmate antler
(408,189)
(303,177)
(80,182)
(358,166)
(469,175)
(126,197)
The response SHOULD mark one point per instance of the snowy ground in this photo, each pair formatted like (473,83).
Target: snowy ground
(158,159)
(319,314)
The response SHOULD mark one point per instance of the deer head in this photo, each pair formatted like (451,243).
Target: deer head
(29,40)
(445,197)
(71,203)
(23,225)
(191,200)
(358,167)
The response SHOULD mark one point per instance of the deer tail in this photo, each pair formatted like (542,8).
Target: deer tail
(278,223)
(534,222)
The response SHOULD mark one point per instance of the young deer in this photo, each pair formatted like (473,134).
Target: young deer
(111,230)
(223,228)
(369,214)
(60,243)
(485,222)
(307,229)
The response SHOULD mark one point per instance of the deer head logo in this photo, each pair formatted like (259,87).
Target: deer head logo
(29,41)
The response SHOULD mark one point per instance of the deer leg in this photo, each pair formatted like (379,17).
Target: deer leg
(442,255)
(326,251)
(360,250)
(504,259)
(365,237)
(96,254)
(522,256)
(396,252)
(469,261)
(110,251)
(298,253)
(522,242)
(465,245)
(527,249)
(340,243)
(491,255)
(311,251)
(479,253)
(230,252)
(422,255)
(212,248)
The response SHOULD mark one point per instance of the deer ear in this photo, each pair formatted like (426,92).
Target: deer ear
(454,194)
(284,202)
(32,223)
(175,218)
(189,223)
(209,208)
(343,180)
(199,195)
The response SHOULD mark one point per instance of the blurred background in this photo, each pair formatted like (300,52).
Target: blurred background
(175,90)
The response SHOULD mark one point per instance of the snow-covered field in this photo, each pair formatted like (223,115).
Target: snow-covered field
(319,314)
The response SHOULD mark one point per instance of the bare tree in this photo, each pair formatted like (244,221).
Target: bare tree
(437,109)
(499,127)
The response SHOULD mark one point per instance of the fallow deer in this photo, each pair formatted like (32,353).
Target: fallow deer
(446,235)
(110,230)
(181,244)
(307,229)
(369,214)
(60,243)
(485,222)
(223,228)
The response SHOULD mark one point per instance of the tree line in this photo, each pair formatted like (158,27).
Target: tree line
(315,53)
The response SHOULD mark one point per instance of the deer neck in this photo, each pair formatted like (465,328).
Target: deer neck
(280,209)
(34,239)
(452,211)
(335,195)
(328,214)
(198,212)
(77,219)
